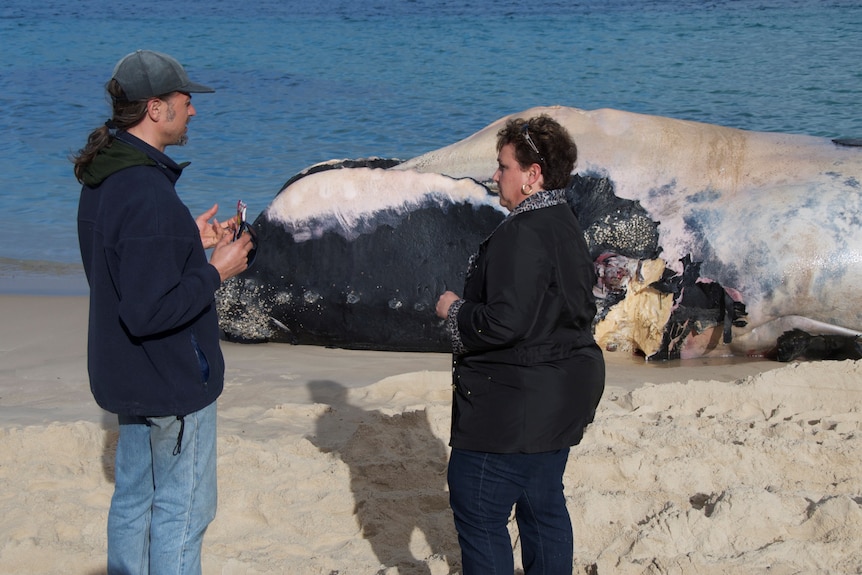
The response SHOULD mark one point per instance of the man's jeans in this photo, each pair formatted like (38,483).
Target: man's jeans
(163,500)
(483,487)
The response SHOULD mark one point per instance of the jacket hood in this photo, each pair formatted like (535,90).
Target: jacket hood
(114,157)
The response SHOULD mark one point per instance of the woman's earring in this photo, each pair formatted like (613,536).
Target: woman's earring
(526,189)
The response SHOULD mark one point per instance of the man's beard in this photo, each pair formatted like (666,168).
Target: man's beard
(184,138)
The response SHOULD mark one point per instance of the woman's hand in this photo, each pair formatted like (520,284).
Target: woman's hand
(444,302)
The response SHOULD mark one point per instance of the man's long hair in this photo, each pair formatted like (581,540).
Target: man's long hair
(125,114)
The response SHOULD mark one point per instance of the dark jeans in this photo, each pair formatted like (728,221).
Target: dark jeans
(483,487)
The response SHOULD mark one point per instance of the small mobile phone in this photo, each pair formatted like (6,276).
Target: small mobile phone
(241,224)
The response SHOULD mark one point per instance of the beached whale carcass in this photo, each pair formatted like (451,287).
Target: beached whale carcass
(707,239)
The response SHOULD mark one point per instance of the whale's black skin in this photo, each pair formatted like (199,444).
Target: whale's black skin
(851,142)
(797,344)
(375,291)
(612,224)
(382,163)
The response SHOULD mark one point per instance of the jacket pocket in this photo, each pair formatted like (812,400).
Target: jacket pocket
(202,360)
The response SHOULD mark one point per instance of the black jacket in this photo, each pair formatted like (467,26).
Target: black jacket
(529,375)
(153,345)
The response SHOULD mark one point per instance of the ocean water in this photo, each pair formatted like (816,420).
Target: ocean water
(302,82)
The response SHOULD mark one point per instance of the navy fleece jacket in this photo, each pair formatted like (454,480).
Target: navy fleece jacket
(153,344)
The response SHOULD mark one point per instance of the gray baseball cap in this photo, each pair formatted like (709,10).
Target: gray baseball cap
(147,74)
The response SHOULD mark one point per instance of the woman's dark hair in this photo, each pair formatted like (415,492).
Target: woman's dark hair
(542,140)
(125,114)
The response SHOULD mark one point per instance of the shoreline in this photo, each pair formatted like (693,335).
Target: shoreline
(42,277)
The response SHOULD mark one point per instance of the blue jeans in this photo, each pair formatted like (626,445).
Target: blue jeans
(164,497)
(483,487)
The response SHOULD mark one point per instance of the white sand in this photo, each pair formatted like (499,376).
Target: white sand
(333,461)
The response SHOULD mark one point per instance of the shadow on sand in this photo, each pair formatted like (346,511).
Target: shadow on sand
(397,476)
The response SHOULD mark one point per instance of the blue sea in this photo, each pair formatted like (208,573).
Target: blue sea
(301,82)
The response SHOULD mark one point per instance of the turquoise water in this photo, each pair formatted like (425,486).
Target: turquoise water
(299,82)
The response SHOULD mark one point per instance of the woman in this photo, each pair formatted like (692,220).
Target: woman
(527,373)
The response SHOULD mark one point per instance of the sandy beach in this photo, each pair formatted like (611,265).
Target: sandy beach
(333,462)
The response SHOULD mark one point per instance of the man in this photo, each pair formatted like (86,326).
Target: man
(153,347)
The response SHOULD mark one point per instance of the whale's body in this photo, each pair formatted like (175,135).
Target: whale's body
(708,239)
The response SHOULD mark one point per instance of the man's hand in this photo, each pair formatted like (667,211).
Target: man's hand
(212,231)
(231,257)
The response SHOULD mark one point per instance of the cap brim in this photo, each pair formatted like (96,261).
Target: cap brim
(194,87)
